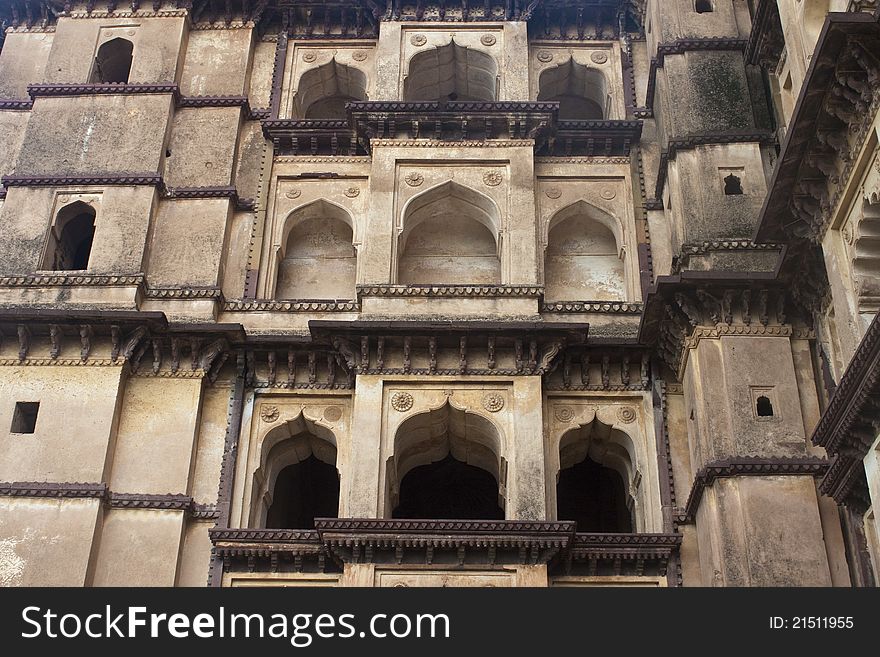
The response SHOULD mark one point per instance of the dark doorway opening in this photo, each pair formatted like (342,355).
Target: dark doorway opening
(304,491)
(449,489)
(593,496)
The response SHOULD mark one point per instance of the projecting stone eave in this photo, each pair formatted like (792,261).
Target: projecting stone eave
(776,221)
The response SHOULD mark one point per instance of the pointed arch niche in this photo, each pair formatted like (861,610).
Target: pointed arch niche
(581,91)
(113,61)
(584,257)
(604,473)
(297,479)
(317,258)
(450,236)
(71,238)
(322,92)
(447,464)
(451,73)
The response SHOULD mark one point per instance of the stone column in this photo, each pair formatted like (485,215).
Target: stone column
(526,494)
(361,489)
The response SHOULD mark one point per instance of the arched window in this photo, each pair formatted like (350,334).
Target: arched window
(71,238)
(450,238)
(582,261)
(581,91)
(764,407)
(446,465)
(113,61)
(733,185)
(318,260)
(596,465)
(323,91)
(297,480)
(451,72)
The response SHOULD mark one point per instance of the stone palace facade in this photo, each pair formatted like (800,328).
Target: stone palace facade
(439,292)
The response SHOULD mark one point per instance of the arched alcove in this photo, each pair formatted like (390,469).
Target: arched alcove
(581,91)
(447,461)
(597,464)
(113,61)
(317,259)
(450,236)
(451,72)
(323,91)
(297,480)
(582,261)
(71,238)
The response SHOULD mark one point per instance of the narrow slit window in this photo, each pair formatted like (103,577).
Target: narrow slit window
(24,418)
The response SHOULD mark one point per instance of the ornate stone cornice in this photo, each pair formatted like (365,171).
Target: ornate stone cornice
(450,291)
(60,362)
(604,307)
(64,490)
(99,88)
(183,293)
(240,305)
(167,502)
(15,105)
(378,541)
(229,192)
(625,554)
(851,423)
(595,160)
(307,159)
(215,101)
(55,490)
(122,178)
(838,101)
(694,306)
(715,332)
(446,542)
(436,143)
(67,280)
(747,467)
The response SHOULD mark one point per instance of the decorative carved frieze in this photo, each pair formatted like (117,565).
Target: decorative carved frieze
(603,307)
(236,305)
(55,490)
(183,293)
(683,318)
(100,88)
(124,178)
(65,490)
(450,290)
(65,280)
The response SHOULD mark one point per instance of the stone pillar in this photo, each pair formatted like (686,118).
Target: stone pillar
(361,487)
(526,494)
